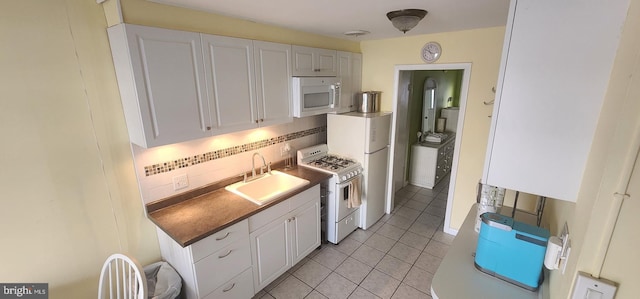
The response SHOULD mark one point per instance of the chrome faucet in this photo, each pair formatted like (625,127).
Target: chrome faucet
(253,167)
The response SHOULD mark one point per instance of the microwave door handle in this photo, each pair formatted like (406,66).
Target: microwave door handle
(336,93)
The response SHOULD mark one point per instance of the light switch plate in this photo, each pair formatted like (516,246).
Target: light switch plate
(587,286)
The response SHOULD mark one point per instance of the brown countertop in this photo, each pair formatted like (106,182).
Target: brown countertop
(196,214)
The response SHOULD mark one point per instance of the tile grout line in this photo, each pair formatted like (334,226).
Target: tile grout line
(385,221)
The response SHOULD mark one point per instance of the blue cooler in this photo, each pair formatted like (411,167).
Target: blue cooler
(511,250)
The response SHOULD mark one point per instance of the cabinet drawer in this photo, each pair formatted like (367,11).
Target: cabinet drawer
(304,197)
(240,286)
(265,217)
(217,268)
(215,242)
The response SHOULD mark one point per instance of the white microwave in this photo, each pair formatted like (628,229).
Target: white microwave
(315,95)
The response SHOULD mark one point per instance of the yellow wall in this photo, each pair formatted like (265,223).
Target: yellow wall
(482,48)
(68,190)
(611,155)
(143,12)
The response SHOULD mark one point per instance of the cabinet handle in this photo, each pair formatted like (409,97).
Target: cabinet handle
(229,289)
(222,238)
(226,254)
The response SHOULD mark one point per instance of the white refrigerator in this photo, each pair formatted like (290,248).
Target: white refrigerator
(365,138)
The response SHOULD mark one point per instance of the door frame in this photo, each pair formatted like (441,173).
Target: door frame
(464,90)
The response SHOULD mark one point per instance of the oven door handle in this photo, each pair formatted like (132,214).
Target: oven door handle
(346,183)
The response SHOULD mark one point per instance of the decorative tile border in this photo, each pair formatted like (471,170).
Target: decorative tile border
(226,152)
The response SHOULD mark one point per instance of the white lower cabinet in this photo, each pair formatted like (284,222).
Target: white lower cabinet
(291,235)
(429,164)
(240,260)
(211,264)
(240,286)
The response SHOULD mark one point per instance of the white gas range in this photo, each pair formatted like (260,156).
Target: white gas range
(343,188)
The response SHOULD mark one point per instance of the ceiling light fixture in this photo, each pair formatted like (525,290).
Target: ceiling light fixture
(406,19)
(356,33)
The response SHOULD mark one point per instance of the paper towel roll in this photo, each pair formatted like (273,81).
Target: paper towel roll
(554,250)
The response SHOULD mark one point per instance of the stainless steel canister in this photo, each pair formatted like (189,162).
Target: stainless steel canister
(369,101)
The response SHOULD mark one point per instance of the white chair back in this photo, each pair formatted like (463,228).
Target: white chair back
(122,278)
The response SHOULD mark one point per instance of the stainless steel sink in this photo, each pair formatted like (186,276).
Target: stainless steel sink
(267,187)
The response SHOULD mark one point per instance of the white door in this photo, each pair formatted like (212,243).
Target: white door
(326,62)
(356,79)
(230,75)
(303,64)
(375,178)
(305,230)
(377,132)
(344,72)
(167,70)
(273,83)
(309,61)
(271,253)
(549,97)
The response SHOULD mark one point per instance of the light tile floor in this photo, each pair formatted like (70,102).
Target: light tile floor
(395,258)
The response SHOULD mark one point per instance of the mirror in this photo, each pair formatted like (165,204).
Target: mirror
(429,106)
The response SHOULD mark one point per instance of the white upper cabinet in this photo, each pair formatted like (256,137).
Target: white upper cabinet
(229,72)
(160,75)
(309,61)
(350,72)
(273,82)
(556,63)
(178,86)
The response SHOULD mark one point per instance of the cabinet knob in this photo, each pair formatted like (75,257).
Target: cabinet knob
(208,128)
(262,120)
(257,121)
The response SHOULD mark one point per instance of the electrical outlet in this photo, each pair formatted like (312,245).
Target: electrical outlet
(180,182)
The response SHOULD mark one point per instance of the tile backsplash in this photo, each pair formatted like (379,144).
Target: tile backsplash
(227,152)
(209,160)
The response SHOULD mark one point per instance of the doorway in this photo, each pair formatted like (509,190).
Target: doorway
(404,134)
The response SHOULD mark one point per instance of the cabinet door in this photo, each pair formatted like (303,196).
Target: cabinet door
(356,79)
(303,64)
(305,230)
(326,62)
(309,61)
(345,74)
(230,74)
(273,83)
(551,88)
(271,255)
(160,75)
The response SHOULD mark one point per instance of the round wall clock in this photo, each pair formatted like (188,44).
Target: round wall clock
(431,52)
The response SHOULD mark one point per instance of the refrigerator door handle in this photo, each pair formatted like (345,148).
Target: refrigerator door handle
(385,147)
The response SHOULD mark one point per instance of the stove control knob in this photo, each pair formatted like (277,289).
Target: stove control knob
(344,177)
